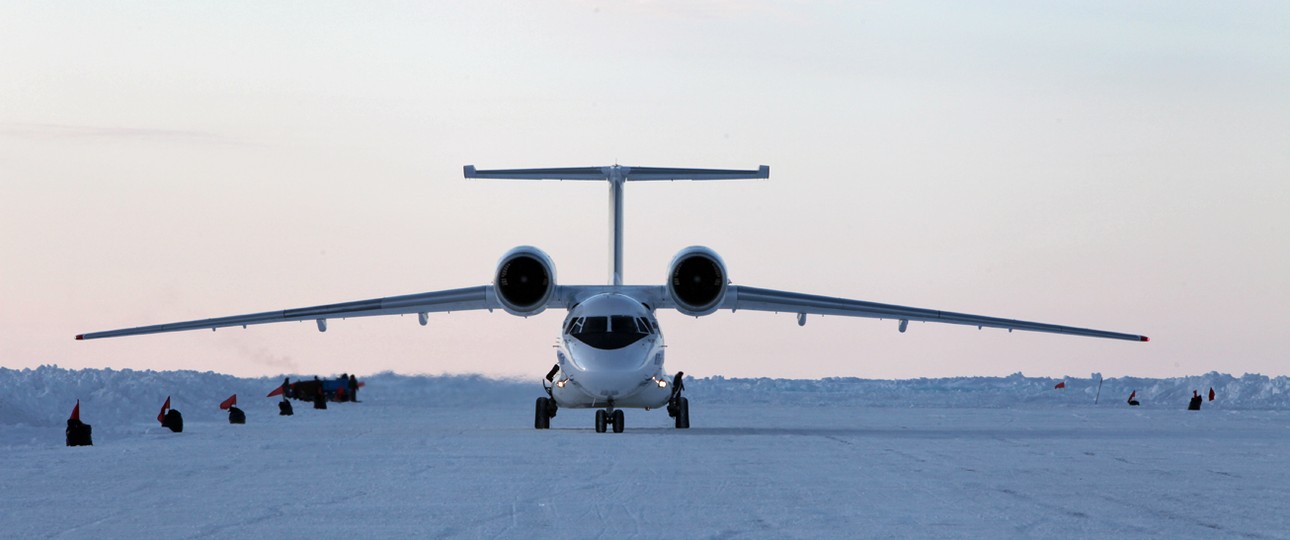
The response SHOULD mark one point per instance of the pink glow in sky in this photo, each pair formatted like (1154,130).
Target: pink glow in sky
(1109,165)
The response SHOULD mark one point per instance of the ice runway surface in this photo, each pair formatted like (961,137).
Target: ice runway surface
(396,469)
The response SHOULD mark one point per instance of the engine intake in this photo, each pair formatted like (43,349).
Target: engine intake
(697,281)
(525,281)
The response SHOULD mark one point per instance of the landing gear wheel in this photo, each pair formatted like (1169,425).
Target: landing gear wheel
(541,415)
(682,413)
(618,421)
(602,418)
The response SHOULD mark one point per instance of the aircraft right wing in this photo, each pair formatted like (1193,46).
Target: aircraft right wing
(469,298)
(756,299)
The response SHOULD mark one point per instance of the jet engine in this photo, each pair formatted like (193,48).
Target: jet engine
(696,281)
(525,281)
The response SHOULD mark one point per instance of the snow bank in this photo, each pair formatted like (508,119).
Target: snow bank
(1246,392)
(43,397)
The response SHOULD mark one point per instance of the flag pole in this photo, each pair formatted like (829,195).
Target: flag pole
(1099,389)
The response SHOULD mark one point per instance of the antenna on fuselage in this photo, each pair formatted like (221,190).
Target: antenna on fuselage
(616,175)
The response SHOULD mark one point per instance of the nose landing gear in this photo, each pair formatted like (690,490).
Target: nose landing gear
(610,416)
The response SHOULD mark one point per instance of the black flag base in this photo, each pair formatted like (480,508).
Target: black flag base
(79,433)
(174,421)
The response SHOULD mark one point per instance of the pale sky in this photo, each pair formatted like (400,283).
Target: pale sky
(1121,166)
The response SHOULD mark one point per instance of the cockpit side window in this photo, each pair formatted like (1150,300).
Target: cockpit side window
(644,324)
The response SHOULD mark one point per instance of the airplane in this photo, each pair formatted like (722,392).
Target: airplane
(610,353)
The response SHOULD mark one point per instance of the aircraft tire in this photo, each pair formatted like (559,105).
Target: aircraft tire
(682,413)
(618,421)
(540,418)
(601,419)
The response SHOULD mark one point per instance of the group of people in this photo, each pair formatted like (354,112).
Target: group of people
(320,391)
(1193,405)
(349,391)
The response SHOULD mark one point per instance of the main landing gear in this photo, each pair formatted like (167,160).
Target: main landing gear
(544,412)
(677,406)
(546,407)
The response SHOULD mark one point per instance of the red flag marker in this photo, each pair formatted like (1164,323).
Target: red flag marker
(161,417)
(231,401)
(1132,395)
(1061,385)
(1211,393)
(276,391)
(76,411)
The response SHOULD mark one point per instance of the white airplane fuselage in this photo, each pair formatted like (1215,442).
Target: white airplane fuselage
(611,354)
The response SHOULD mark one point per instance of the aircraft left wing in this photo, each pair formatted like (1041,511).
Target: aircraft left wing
(469,298)
(741,297)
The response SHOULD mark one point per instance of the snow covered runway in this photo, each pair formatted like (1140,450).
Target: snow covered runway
(387,468)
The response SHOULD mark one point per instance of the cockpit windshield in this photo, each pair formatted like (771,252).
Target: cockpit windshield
(612,332)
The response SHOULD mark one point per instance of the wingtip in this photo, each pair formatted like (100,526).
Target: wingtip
(469,171)
(80,337)
(1144,338)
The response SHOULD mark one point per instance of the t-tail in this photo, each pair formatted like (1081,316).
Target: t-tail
(616,175)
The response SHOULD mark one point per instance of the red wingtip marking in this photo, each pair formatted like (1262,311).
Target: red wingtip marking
(1144,338)
(80,337)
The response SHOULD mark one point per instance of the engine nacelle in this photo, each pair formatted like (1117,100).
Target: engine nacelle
(696,281)
(525,281)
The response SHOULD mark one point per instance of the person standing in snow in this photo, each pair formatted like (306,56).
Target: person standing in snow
(353,388)
(320,397)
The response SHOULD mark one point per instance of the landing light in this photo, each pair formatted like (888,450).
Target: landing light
(661,383)
(560,383)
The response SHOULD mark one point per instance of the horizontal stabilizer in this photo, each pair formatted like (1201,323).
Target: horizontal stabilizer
(624,172)
(565,173)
